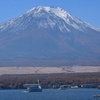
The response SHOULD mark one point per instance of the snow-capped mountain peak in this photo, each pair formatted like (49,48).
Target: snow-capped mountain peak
(55,10)
(64,15)
(47,17)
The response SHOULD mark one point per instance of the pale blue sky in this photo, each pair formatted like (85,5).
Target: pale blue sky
(86,10)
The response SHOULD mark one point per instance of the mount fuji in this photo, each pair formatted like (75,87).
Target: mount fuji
(48,36)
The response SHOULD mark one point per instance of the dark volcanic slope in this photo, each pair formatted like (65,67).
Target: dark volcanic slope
(47,36)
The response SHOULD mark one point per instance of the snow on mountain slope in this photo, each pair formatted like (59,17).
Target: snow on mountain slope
(68,18)
(50,17)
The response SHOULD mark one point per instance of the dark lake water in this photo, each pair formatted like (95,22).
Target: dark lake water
(50,94)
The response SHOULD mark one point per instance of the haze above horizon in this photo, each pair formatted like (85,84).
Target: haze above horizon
(86,10)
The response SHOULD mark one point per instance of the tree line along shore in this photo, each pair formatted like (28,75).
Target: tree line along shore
(50,80)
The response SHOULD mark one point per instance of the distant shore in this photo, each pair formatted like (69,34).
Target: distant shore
(48,70)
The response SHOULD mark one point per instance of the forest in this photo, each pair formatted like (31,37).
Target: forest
(49,80)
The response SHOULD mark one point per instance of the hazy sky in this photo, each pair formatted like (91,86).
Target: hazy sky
(86,10)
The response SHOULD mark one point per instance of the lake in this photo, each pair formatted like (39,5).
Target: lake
(50,94)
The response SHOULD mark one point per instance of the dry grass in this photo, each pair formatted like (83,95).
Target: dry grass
(48,70)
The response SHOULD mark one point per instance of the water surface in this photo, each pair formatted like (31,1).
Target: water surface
(50,94)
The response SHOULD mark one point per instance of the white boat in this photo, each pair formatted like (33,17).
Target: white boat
(74,87)
(34,87)
(63,87)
